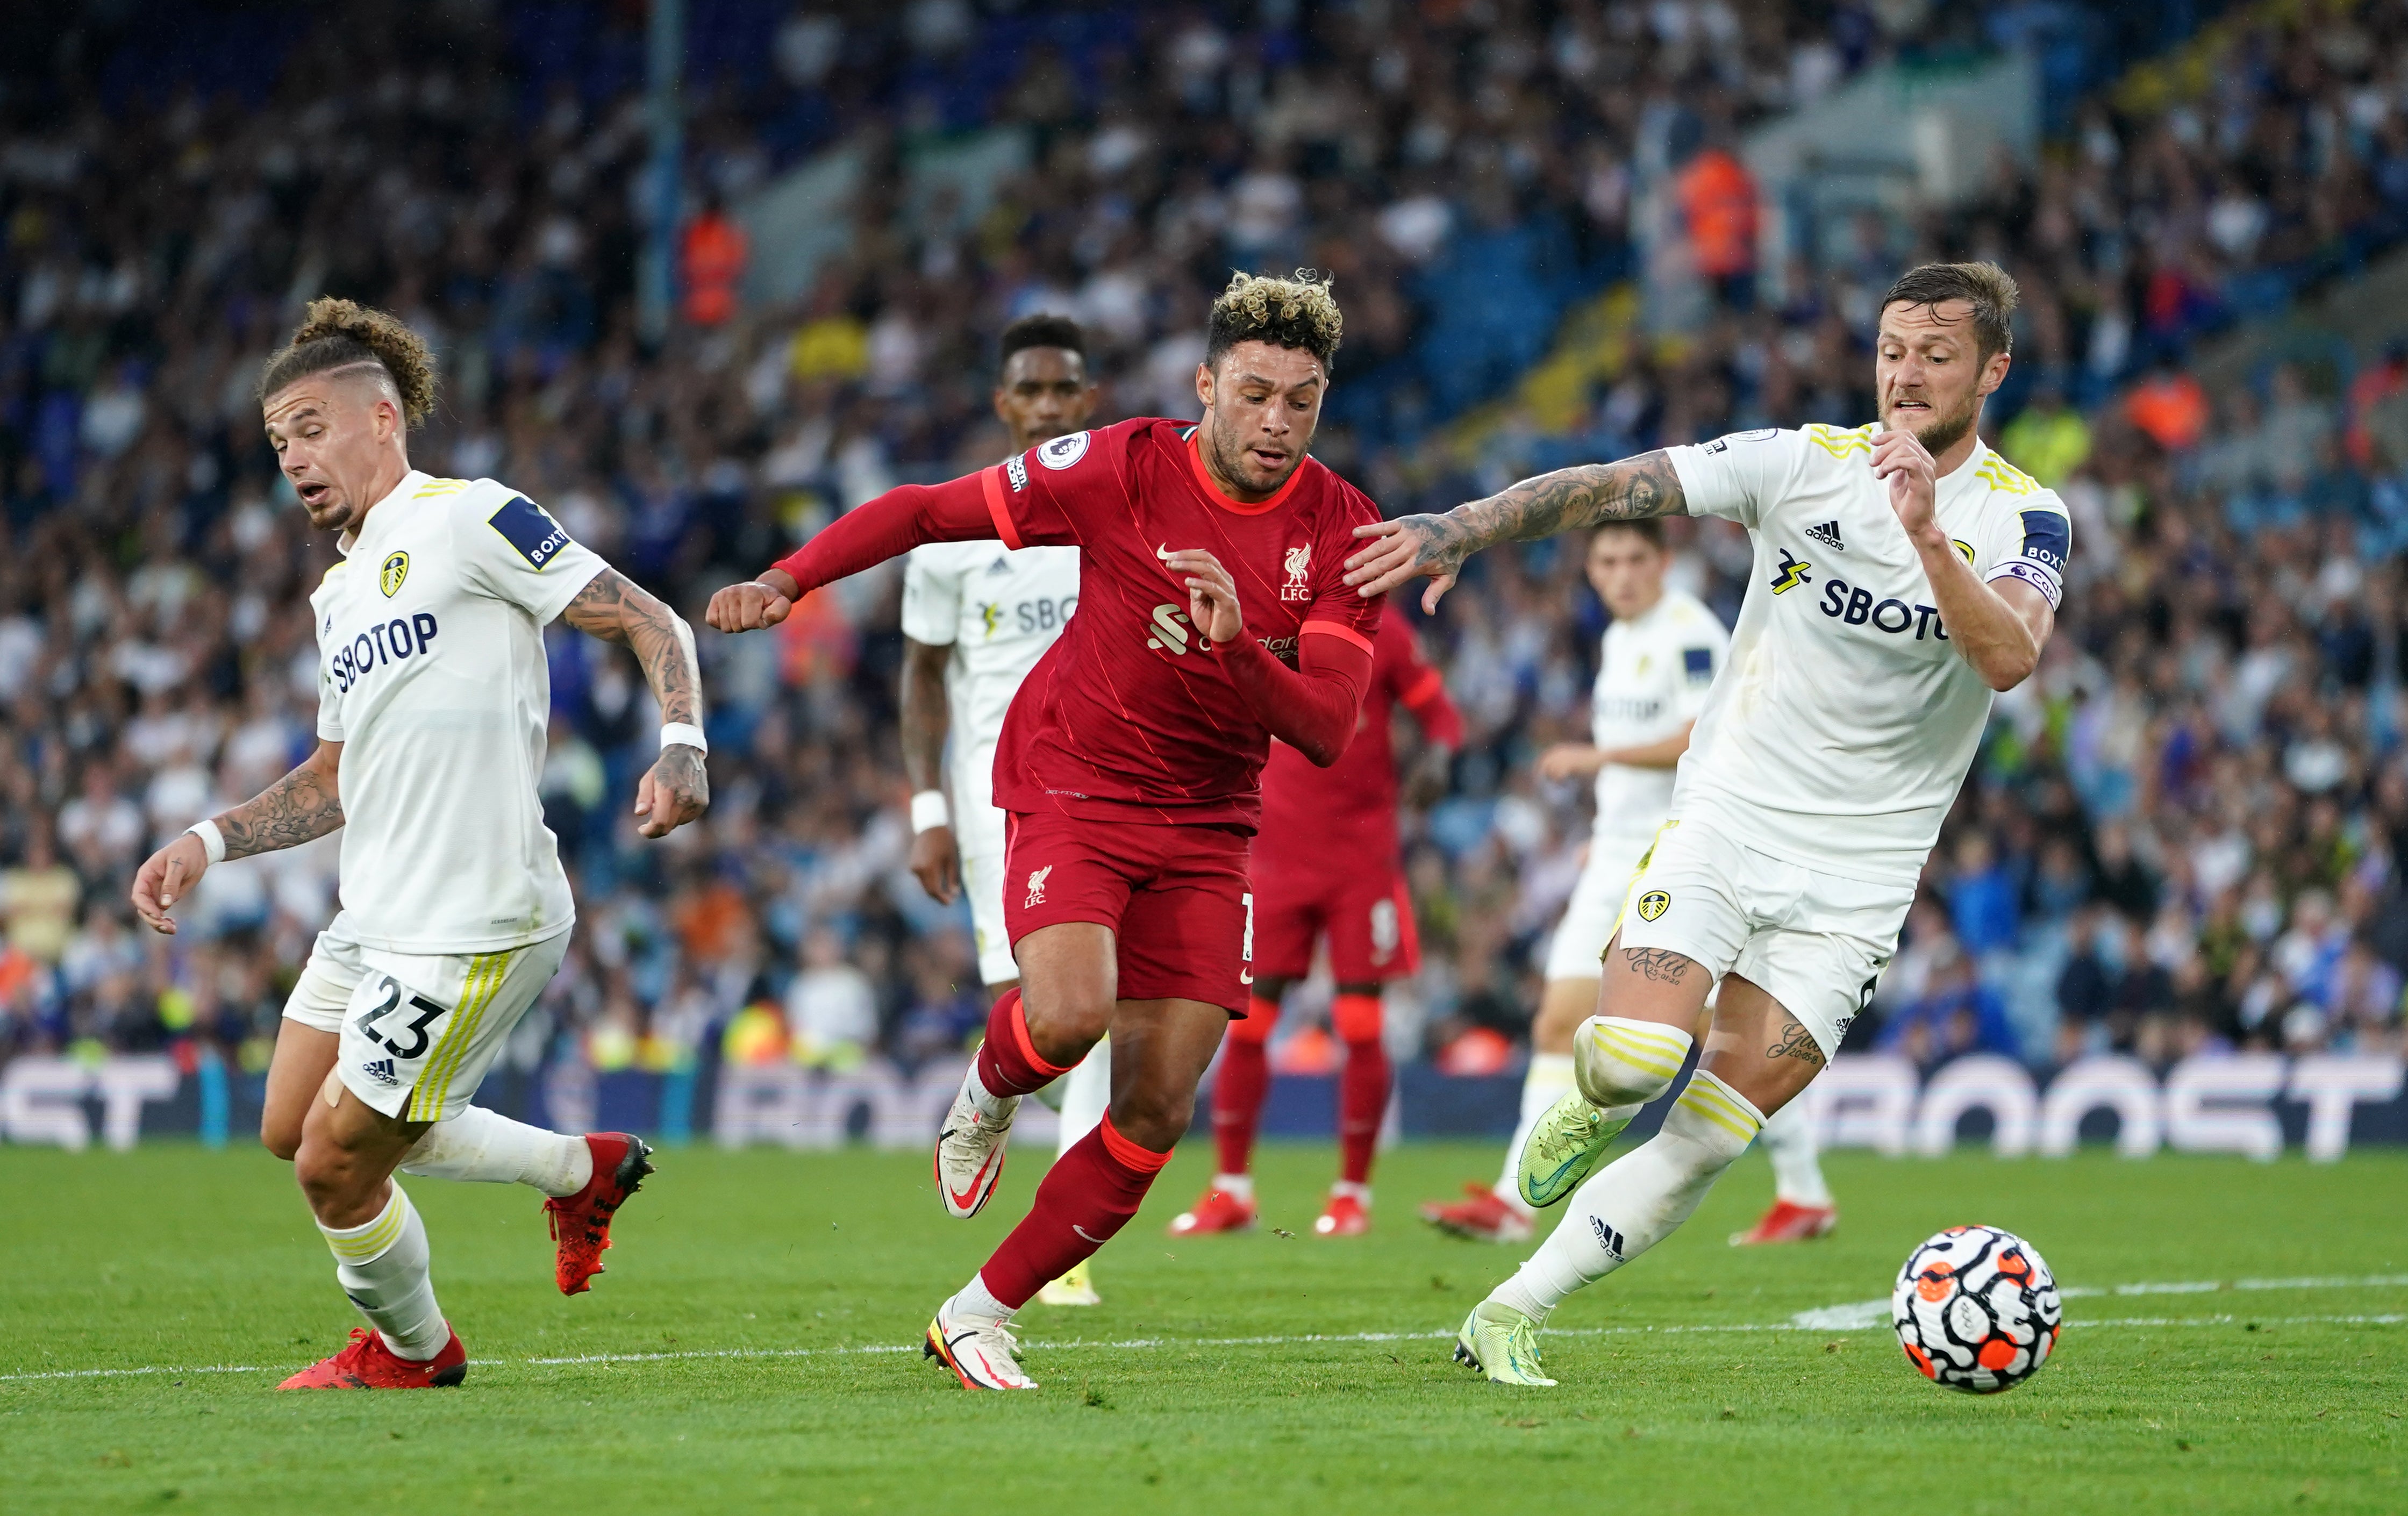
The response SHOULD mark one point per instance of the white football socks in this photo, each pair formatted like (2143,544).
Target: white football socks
(1797,1159)
(977,1303)
(1637,1200)
(382,1266)
(995,1108)
(1549,1079)
(1086,1094)
(485,1146)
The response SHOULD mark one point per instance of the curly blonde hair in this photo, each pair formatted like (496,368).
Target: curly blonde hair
(336,334)
(1299,312)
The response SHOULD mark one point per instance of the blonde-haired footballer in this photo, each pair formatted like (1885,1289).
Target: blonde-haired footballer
(432,703)
(1904,573)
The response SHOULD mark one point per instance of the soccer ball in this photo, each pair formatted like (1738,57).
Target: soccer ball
(1976,1309)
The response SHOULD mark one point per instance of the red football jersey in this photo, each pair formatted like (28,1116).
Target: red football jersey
(1129,716)
(1345,816)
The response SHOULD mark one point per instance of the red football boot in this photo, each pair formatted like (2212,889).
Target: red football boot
(367,1363)
(1481,1215)
(1345,1216)
(1787,1223)
(580,1222)
(1218,1211)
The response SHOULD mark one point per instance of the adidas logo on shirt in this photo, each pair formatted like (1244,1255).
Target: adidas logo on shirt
(382,1071)
(1828,535)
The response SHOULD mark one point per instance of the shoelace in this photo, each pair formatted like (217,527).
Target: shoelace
(1563,1140)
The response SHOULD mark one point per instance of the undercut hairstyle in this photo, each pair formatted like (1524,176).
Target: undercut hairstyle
(336,335)
(1042,330)
(1986,286)
(1648,529)
(1299,312)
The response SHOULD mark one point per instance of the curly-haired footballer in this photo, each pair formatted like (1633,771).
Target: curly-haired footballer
(432,701)
(1211,618)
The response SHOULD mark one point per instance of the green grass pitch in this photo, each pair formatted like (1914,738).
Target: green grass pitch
(738,1353)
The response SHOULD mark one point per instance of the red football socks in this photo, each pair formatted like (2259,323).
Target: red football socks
(1239,1088)
(1088,1194)
(1008,1063)
(1362,1105)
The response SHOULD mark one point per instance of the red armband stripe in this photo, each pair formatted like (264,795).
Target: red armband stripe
(997,510)
(1341,631)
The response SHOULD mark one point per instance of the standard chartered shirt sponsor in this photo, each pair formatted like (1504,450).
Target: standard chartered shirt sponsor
(1846,722)
(998,610)
(1652,675)
(432,676)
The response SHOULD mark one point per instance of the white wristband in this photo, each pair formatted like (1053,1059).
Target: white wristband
(212,841)
(679,734)
(930,810)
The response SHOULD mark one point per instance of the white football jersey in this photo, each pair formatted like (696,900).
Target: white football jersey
(1841,733)
(998,610)
(1651,679)
(431,674)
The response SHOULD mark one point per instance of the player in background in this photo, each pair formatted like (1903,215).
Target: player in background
(1654,665)
(1327,861)
(1904,574)
(433,700)
(976,618)
(1130,761)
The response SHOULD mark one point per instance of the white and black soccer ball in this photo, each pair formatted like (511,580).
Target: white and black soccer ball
(1976,1309)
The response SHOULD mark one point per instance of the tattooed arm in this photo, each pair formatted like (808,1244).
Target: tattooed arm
(1589,495)
(677,787)
(304,805)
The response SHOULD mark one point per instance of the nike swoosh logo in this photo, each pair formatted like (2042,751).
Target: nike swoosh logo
(1082,1232)
(965,1197)
(1245,975)
(1162,552)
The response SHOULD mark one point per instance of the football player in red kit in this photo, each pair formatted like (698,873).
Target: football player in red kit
(1214,616)
(1327,861)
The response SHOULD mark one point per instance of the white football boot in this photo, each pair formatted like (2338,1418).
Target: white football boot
(970,1150)
(980,1353)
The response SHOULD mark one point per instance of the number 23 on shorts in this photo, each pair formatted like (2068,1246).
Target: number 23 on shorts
(398,1019)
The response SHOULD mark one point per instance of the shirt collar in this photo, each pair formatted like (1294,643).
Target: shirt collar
(349,542)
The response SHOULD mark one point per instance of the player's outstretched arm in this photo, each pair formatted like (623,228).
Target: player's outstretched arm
(677,787)
(935,860)
(304,805)
(870,534)
(1589,495)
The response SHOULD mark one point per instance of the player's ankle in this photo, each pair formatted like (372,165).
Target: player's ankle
(1240,1186)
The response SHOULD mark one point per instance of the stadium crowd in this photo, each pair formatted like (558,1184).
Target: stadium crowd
(2191,829)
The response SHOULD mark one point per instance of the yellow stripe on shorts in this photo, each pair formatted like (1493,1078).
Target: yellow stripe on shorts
(484,981)
(1704,1099)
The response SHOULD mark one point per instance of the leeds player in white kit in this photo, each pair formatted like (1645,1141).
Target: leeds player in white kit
(1656,662)
(1904,574)
(433,700)
(976,618)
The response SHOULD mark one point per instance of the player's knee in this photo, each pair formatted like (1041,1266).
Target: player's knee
(1620,1062)
(1256,1024)
(1356,1015)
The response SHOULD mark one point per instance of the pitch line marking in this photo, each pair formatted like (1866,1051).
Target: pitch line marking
(1846,1318)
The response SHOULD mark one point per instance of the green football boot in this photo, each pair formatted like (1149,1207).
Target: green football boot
(1500,1343)
(1563,1148)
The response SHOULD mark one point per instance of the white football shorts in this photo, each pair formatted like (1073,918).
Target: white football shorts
(1588,923)
(324,992)
(421,1029)
(979,834)
(1816,942)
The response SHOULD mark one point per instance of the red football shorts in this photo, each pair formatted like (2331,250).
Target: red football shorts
(1175,897)
(1368,913)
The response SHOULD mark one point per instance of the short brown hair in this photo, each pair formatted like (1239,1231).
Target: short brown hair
(339,334)
(1650,530)
(1299,312)
(1986,286)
